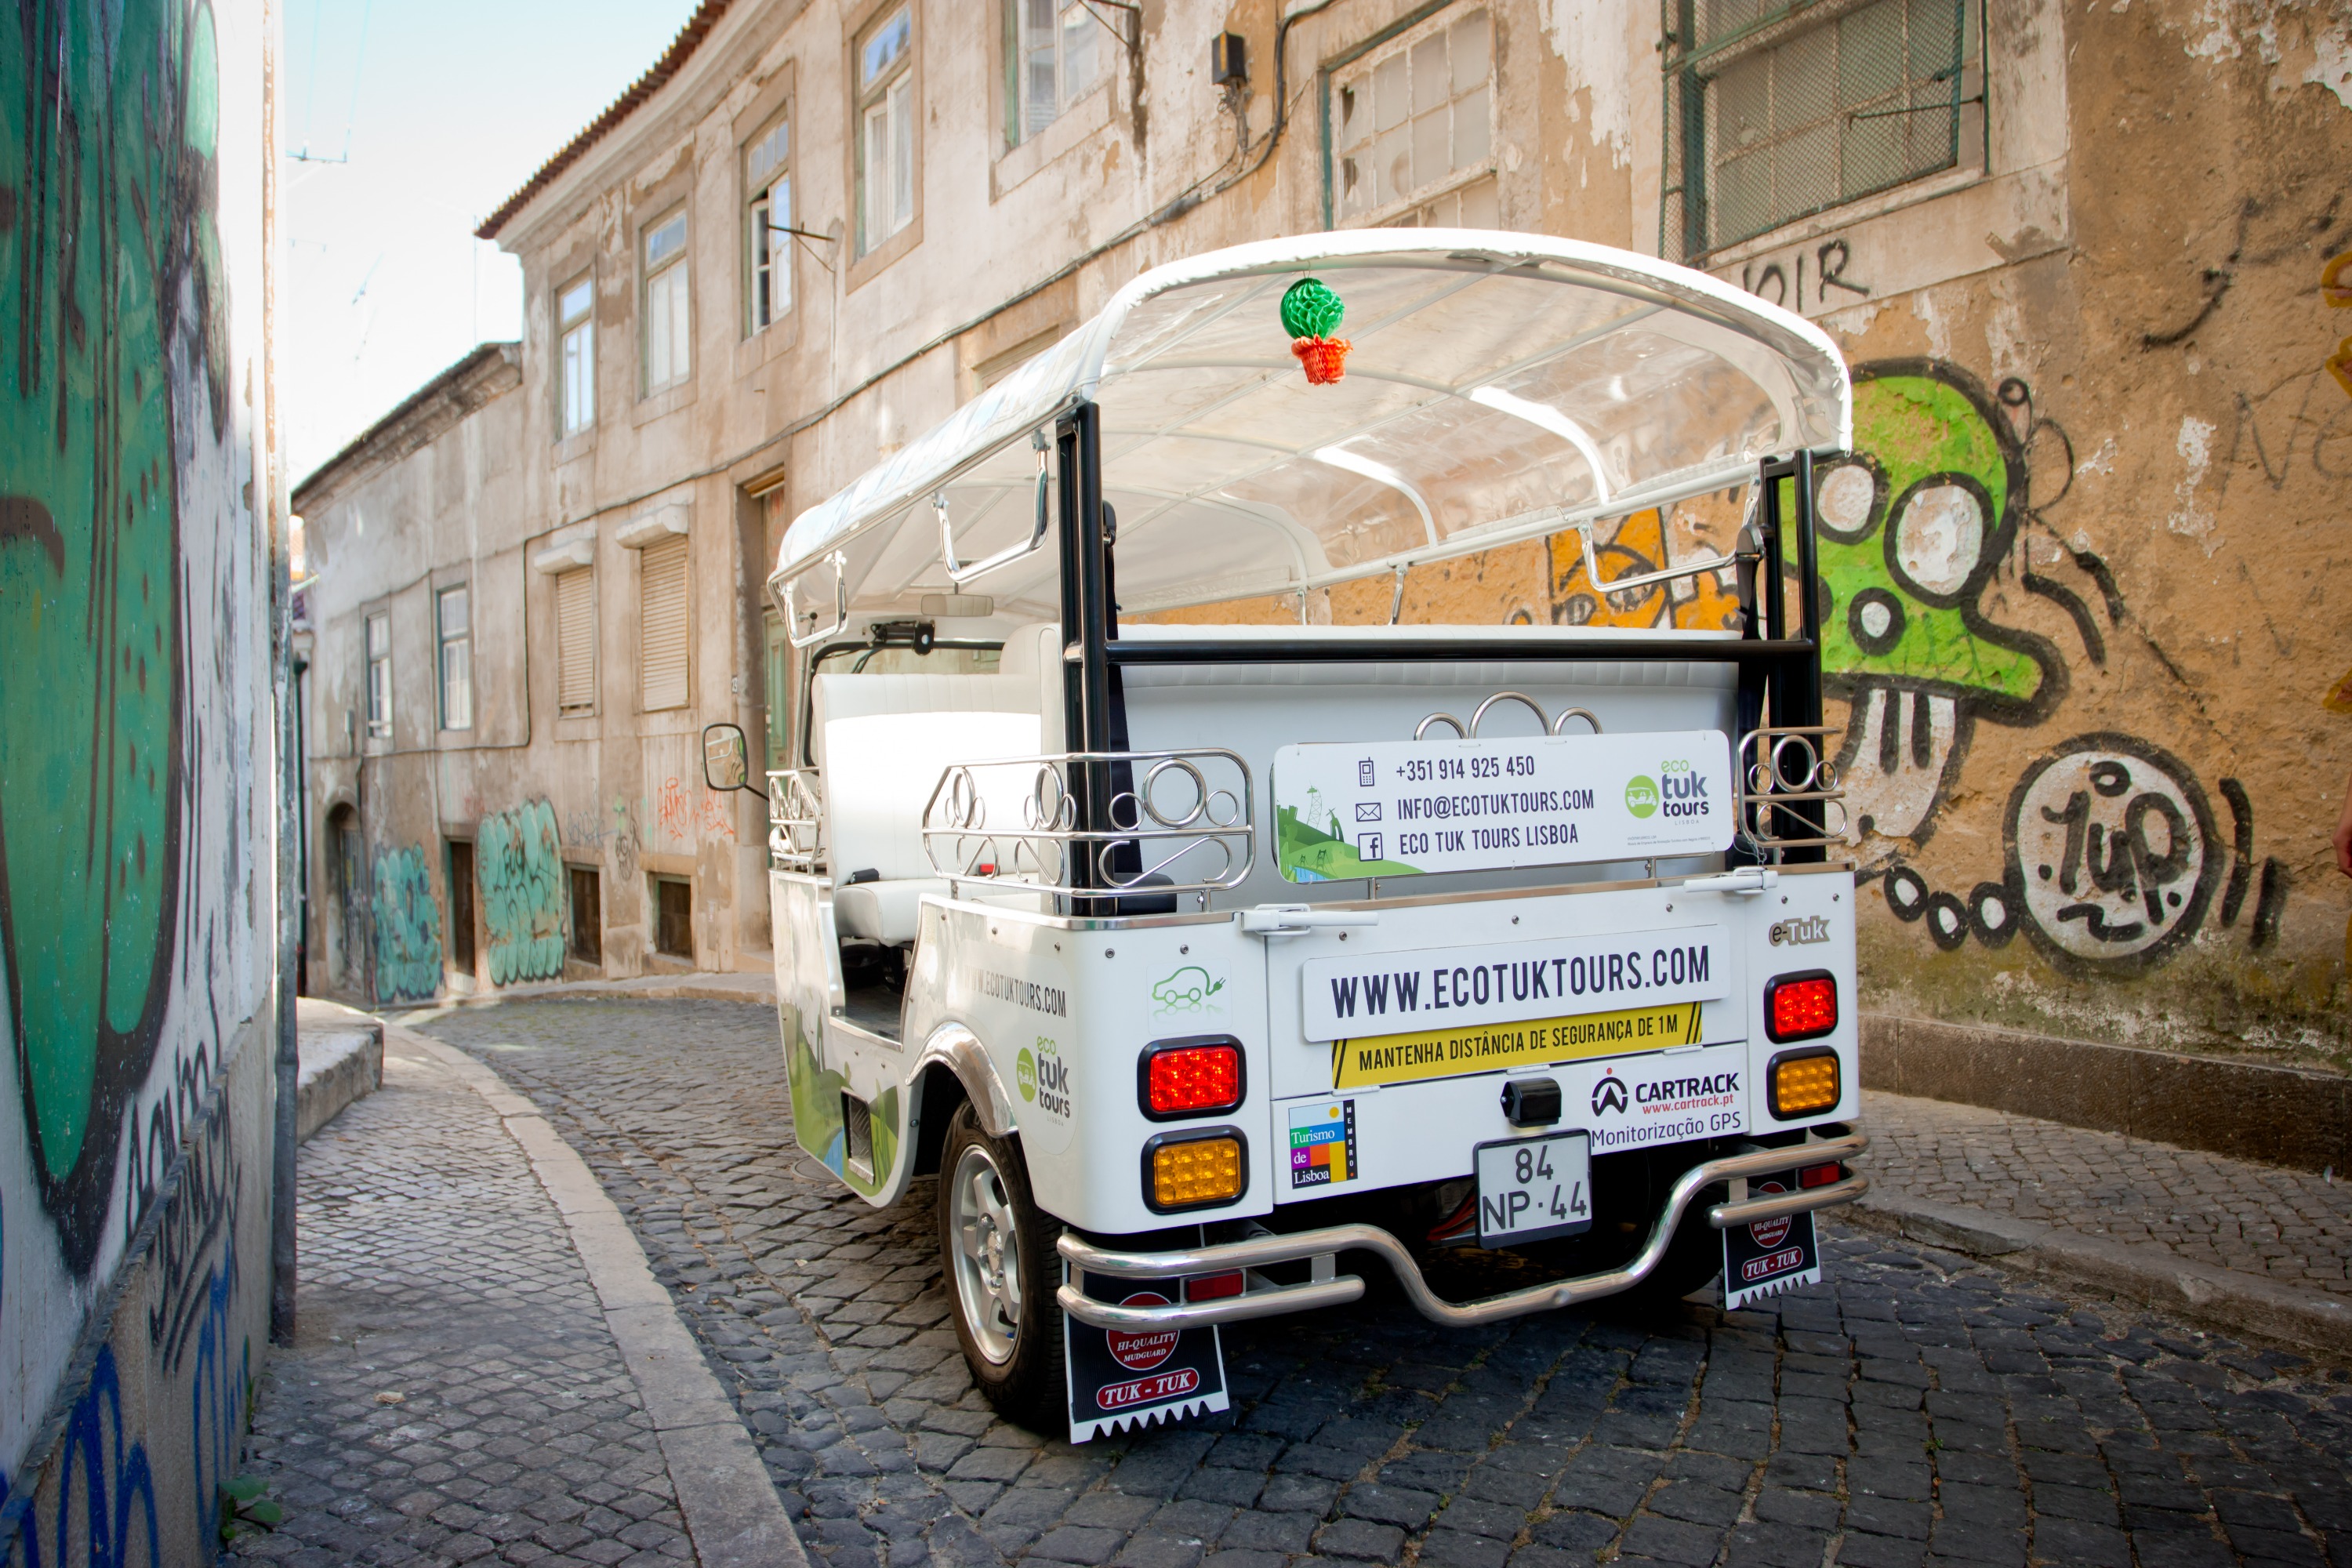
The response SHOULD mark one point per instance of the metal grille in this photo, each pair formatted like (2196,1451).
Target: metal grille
(1776,112)
(663,638)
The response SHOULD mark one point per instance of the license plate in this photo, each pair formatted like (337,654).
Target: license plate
(1531,1188)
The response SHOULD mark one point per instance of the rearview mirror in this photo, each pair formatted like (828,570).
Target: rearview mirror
(727,758)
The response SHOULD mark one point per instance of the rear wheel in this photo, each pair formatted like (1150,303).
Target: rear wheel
(997,1249)
(1693,1258)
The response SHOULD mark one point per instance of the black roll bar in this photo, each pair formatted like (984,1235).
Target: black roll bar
(1779,674)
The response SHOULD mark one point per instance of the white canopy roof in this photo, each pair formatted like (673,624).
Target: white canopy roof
(1502,386)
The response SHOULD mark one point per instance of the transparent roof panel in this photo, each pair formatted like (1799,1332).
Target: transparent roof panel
(1500,387)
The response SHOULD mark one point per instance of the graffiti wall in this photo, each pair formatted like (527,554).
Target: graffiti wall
(519,857)
(407,927)
(137,841)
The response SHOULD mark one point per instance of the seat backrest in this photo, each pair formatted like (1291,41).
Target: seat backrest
(1033,661)
(883,742)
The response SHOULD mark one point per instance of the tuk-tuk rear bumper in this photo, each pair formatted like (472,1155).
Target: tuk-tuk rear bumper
(1265,1300)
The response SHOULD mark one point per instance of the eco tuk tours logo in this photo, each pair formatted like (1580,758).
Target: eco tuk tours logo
(1679,790)
(1043,1077)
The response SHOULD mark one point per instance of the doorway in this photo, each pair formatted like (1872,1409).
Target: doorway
(461,907)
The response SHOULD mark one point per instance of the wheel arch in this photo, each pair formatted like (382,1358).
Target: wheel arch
(954,1069)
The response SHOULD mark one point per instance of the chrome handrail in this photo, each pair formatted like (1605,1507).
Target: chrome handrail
(1217,811)
(795,820)
(1768,782)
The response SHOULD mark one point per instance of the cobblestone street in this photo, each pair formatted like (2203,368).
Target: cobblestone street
(1913,1408)
(453,1392)
(2294,1227)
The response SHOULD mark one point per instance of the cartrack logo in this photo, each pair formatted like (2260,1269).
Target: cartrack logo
(1608,1096)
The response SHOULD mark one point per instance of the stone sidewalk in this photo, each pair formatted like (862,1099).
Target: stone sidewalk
(456,1391)
(2224,1239)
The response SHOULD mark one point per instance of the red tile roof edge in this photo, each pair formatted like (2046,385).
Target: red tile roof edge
(689,38)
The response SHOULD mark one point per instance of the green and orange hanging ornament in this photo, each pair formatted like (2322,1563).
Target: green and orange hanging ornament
(1311,313)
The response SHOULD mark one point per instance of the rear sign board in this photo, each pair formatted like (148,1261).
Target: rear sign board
(1562,978)
(1399,808)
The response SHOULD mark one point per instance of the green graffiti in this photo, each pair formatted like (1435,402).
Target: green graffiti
(110,283)
(1911,528)
(407,928)
(518,858)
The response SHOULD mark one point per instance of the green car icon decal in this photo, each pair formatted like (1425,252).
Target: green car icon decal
(1186,991)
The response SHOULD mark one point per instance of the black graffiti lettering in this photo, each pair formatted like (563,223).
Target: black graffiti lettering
(2111,869)
(2076,816)
(1827,276)
(2094,920)
(2156,872)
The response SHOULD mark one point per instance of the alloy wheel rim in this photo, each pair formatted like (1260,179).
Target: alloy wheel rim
(986,1255)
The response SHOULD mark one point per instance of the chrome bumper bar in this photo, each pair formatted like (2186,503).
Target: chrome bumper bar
(1265,1301)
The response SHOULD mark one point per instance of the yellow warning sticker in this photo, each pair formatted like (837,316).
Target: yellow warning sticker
(1487,1047)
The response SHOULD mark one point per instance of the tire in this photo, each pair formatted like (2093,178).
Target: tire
(996,1249)
(1693,1258)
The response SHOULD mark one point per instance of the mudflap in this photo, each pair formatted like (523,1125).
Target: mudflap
(1772,1255)
(1118,1379)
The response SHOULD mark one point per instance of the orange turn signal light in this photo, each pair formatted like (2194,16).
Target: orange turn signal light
(1194,1170)
(1803,1083)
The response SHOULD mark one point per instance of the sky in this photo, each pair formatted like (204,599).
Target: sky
(437,111)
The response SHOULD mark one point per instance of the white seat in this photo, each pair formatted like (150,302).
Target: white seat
(886,740)
(884,912)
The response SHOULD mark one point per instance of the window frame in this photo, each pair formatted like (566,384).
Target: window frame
(556,584)
(583,325)
(869,250)
(652,274)
(462,644)
(761,225)
(377,663)
(1401,35)
(1689,73)
(1014,129)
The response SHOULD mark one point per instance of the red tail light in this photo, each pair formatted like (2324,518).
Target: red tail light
(1820,1176)
(1801,1006)
(1213,1287)
(1191,1078)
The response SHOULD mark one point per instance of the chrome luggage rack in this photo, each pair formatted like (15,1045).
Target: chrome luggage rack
(795,820)
(1783,768)
(1176,802)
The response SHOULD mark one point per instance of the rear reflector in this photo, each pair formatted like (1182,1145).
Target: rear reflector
(1803,1083)
(1191,1079)
(1213,1287)
(1184,1171)
(1820,1176)
(1801,1006)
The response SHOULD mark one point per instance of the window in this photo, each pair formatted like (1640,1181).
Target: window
(674,917)
(575,640)
(669,336)
(886,129)
(587,943)
(379,675)
(768,177)
(1053,57)
(451,618)
(1769,120)
(662,646)
(1413,129)
(575,331)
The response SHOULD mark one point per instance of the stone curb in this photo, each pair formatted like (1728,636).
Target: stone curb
(2223,1300)
(731,1508)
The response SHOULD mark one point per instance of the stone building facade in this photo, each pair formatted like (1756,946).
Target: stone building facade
(2079,256)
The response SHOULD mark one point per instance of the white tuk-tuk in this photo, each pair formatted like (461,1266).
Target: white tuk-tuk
(1206,953)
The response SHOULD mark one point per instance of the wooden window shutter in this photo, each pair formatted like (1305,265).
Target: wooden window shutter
(575,640)
(662,637)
